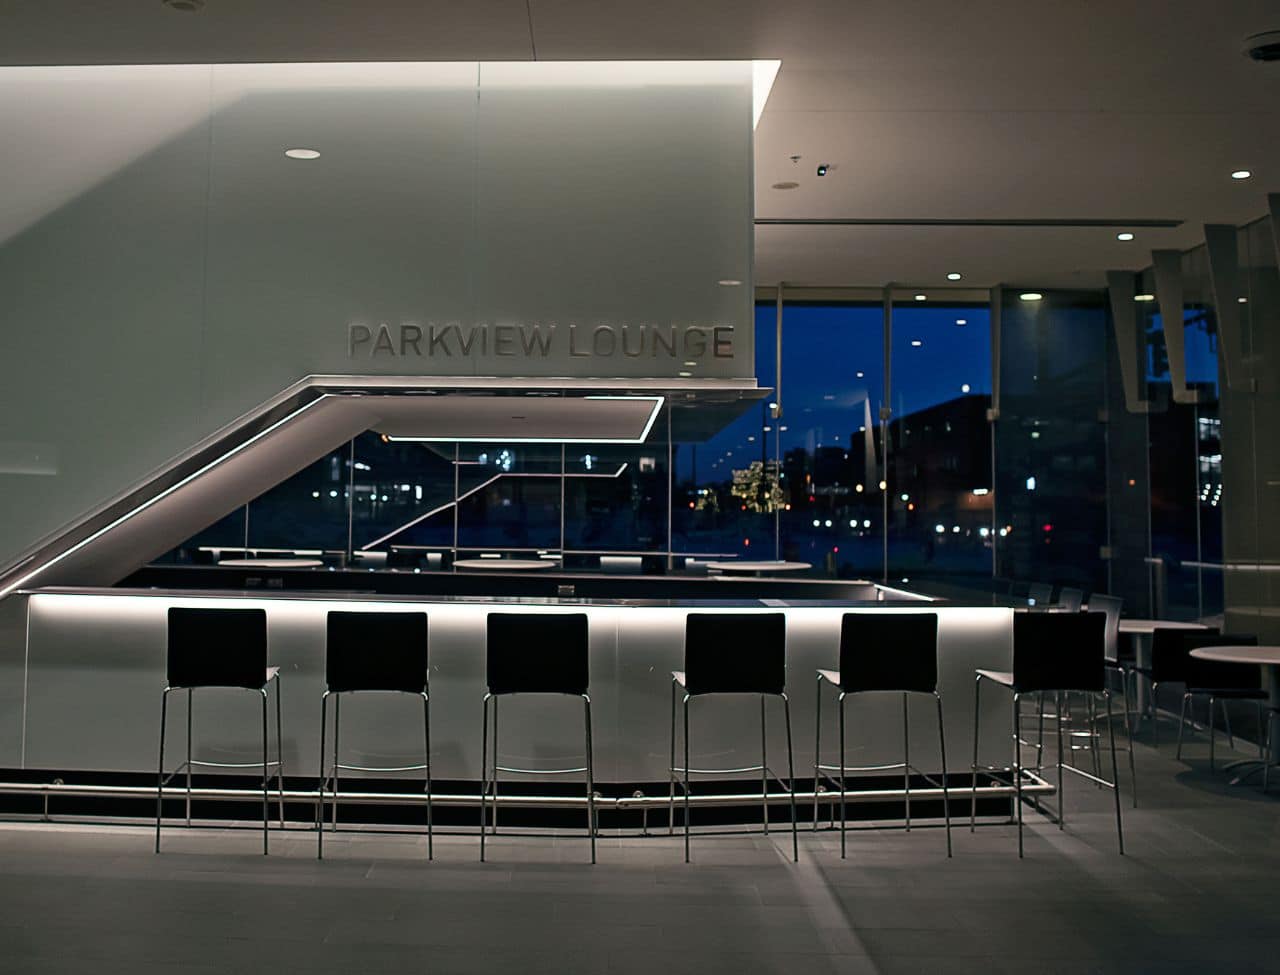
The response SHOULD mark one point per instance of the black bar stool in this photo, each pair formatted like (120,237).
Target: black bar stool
(889,652)
(535,653)
(224,648)
(733,653)
(1053,653)
(372,652)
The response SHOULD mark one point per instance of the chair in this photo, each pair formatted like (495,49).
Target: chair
(1170,651)
(883,652)
(1213,680)
(535,653)
(1041,593)
(372,652)
(732,653)
(219,648)
(1070,600)
(1054,653)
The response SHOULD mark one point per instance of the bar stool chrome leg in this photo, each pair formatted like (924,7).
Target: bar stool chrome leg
(1115,774)
(671,767)
(164,708)
(1062,792)
(266,775)
(906,761)
(337,755)
(426,758)
(279,752)
(946,794)
(1017,769)
(484,774)
(324,718)
(791,781)
(973,799)
(591,781)
(843,765)
(190,698)
(686,778)
(817,750)
(764,769)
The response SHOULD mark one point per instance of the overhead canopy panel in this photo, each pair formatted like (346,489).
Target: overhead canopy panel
(603,419)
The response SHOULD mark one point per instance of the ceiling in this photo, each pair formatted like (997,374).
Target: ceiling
(992,110)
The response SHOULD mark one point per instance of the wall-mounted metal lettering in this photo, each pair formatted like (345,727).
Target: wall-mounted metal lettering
(603,341)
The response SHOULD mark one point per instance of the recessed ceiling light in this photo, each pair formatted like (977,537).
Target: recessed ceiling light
(962,321)
(1030,296)
(823,169)
(860,374)
(728,282)
(1243,301)
(921,297)
(954,276)
(1144,297)
(1124,236)
(786,184)
(1241,174)
(916,343)
(302,153)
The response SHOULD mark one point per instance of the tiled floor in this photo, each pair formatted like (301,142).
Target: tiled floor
(1196,893)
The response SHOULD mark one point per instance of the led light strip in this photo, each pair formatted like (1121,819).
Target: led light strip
(657,402)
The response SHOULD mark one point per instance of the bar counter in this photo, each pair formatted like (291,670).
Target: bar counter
(94,672)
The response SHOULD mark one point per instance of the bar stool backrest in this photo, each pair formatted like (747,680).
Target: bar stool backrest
(217,647)
(537,653)
(735,653)
(1111,606)
(376,652)
(889,652)
(1218,675)
(1059,651)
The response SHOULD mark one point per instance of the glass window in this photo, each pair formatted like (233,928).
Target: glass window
(940,500)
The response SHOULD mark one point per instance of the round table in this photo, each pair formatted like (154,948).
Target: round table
(1266,657)
(507,565)
(758,568)
(272,563)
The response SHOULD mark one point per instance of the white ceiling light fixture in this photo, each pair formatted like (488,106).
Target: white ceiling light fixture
(916,343)
(954,276)
(1124,236)
(922,297)
(301,153)
(729,282)
(1144,297)
(1030,296)
(962,321)
(1241,174)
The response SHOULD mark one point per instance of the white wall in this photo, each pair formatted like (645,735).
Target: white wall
(165,268)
